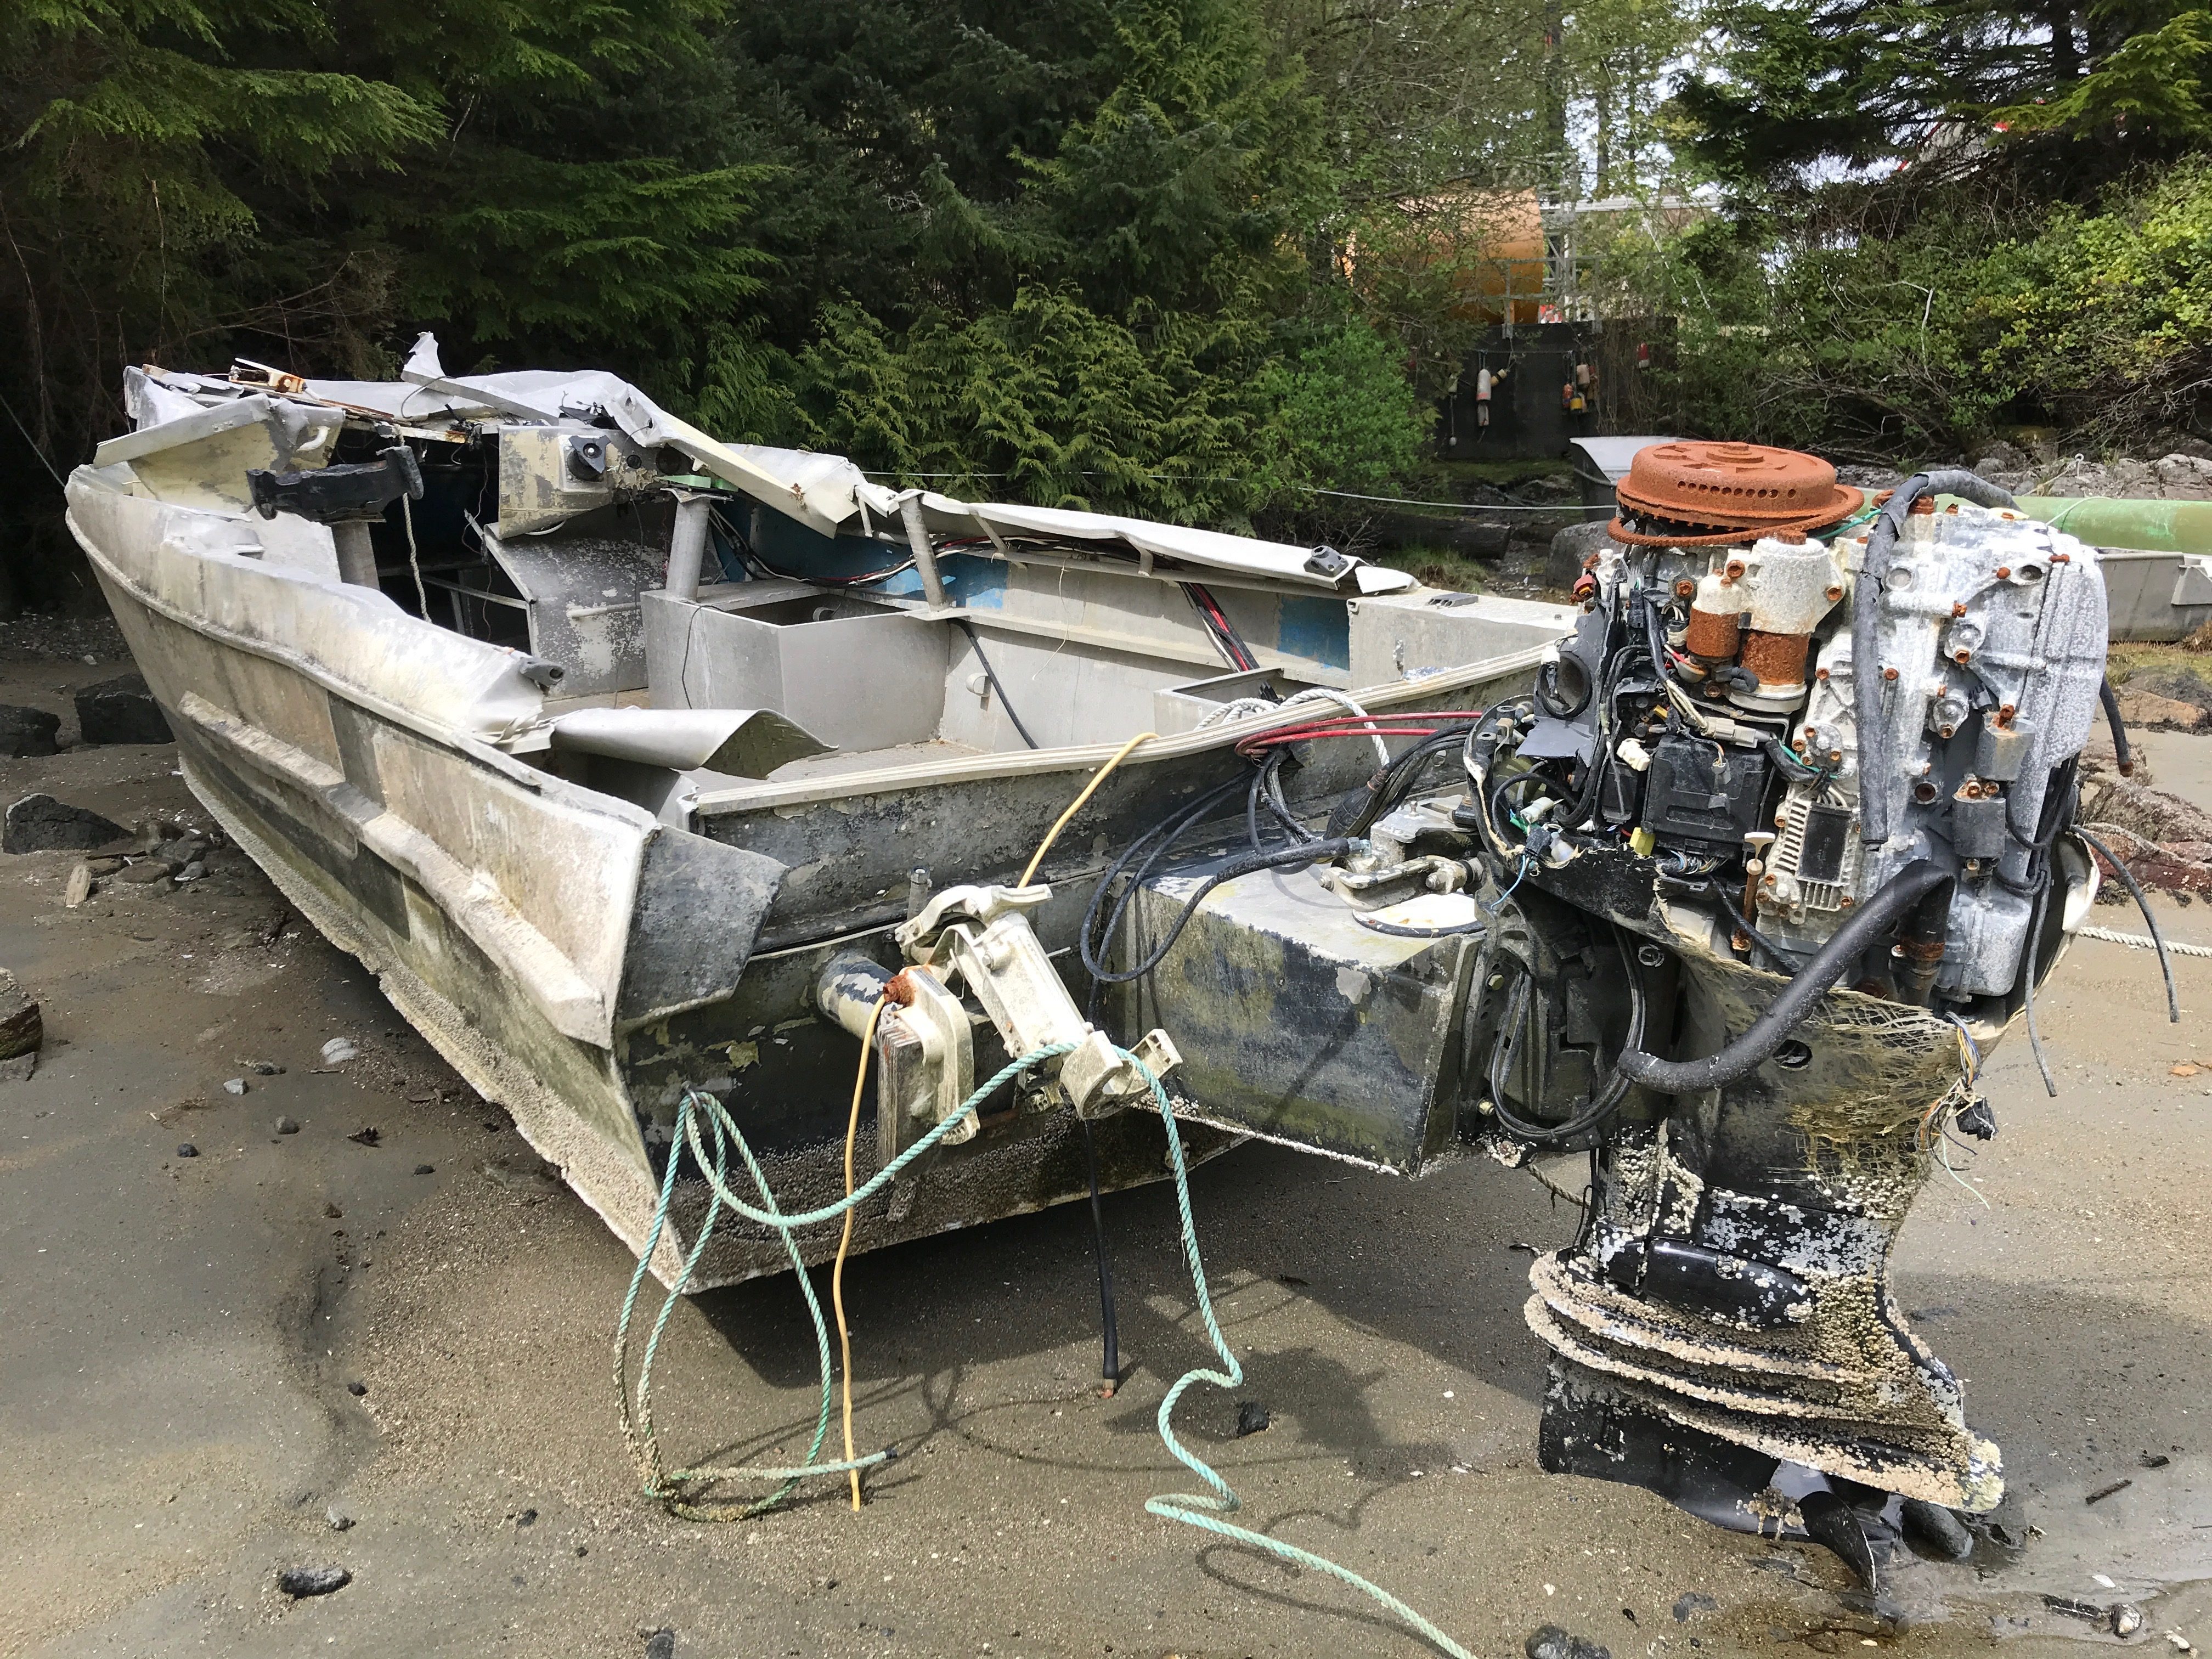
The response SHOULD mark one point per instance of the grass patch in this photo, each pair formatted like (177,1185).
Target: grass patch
(1438,567)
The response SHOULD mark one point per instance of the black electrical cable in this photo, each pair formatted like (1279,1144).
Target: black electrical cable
(1870,922)
(2027,988)
(1866,627)
(1313,852)
(1606,1100)
(2123,756)
(1396,932)
(1110,1354)
(991,674)
(1159,839)
(2142,904)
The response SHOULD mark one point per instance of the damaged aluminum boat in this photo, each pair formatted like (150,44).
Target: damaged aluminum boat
(633,763)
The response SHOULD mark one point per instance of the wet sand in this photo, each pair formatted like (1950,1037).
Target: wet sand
(178,1336)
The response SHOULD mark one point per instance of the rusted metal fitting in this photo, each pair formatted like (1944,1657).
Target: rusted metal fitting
(1958,608)
(1924,507)
(898,990)
(2004,573)
(1889,673)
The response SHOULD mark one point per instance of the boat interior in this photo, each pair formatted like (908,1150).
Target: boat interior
(832,655)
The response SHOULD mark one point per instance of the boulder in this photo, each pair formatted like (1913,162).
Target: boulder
(27,732)
(121,710)
(2180,685)
(39,823)
(22,1029)
(1569,549)
(2168,713)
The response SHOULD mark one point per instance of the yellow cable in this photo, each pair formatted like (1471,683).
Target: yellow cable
(837,1273)
(1076,805)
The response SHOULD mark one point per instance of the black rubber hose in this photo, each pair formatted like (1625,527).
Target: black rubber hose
(1606,1100)
(2142,904)
(1870,922)
(1317,852)
(1866,625)
(992,675)
(2122,756)
(1110,1354)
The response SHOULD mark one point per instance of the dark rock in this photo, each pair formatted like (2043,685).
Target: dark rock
(426,1169)
(356,1387)
(23,1028)
(1935,1531)
(1692,1602)
(296,1581)
(27,732)
(367,1137)
(1251,1418)
(187,1150)
(527,1518)
(288,1126)
(1552,1643)
(146,872)
(2178,684)
(333,1212)
(661,1644)
(121,710)
(1569,549)
(39,823)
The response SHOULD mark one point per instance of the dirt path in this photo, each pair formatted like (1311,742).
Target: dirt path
(178,1337)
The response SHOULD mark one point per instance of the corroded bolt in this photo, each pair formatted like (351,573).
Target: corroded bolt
(1958,609)
(1962,654)
(1684,588)
(1835,757)
(1736,567)
(1889,673)
(1845,902)
(1835,592)
(1766,881)
(2004,573)
(1820,673)
(1811,732)
(2062,559)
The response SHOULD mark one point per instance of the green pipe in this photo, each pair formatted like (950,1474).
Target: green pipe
(2106,521)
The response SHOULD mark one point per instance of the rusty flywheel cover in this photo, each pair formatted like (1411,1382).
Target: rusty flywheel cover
(1692,494)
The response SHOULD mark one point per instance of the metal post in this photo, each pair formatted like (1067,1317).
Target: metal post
(687,548)
(925,556)
(356,556)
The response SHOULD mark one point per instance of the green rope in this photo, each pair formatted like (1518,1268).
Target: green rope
(669,1484)
(1202,1511)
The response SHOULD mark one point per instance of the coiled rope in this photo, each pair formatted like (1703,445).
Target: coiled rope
(2144,941)
(1204,1510)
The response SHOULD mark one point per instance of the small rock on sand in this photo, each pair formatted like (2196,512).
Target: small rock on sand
(234,1085)
(338,1050)
(288,1126)
(298,1581)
